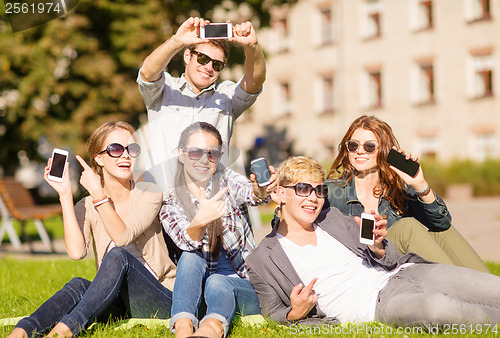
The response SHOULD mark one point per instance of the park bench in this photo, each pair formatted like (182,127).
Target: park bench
(17,203)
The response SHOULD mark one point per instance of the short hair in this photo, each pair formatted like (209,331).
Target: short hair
(222,44)
(300,168)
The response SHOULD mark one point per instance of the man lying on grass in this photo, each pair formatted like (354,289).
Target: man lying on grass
(313,264)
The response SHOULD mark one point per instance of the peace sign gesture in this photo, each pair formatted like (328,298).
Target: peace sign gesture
(90,180)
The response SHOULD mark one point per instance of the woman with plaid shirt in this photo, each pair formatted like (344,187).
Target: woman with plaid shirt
(207,217)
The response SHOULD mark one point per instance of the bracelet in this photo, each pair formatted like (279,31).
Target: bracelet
(257,198)
(100,201)
(424,192)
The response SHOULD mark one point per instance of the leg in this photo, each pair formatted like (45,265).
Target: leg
(226,296)
(437,294)
(120,272)
(57,306)
(191,272)
(410,235)
(459,250)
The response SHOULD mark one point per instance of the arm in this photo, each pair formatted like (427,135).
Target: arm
(255,64)
(157,61)
(380,231)
(248,191)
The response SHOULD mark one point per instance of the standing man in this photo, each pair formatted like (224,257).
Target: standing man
(175,103)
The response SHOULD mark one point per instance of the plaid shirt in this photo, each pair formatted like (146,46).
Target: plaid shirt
(237,232)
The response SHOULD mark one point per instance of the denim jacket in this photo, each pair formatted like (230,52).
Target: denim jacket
(434,216)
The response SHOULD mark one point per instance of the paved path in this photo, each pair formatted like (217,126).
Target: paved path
(477,219)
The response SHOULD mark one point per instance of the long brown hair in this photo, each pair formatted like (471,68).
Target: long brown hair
(391,185)
(214,229)
(96,142)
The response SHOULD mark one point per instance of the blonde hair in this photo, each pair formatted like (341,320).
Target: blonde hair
(96,142)
(300,168)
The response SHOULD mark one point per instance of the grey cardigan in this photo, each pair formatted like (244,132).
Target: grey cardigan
(273,276)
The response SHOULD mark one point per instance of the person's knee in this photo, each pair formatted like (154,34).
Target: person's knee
(217,283)
(78,283)
(191,259)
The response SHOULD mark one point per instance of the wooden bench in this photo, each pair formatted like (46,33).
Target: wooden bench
(16,202)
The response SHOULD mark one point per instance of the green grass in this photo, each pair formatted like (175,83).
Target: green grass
(26,284)
(53,225)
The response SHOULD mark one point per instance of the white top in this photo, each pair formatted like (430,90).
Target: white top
(347,286)
(172,106)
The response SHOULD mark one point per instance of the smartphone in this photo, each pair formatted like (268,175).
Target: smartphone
(366,235)
(216,31)
(399,161)
(261,171)
(58,164)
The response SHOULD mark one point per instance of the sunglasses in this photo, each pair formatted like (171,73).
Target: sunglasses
(204,59)
(195,154)
(369,146)
(305,189)
(117,150)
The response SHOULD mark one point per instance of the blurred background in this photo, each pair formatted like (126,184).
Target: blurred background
(427,67)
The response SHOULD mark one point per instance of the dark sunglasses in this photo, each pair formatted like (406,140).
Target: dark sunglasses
(305,189)
(117,150)
(195,154)
(204,59)
(369,146)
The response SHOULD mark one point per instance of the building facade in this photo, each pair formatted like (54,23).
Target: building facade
(430,68)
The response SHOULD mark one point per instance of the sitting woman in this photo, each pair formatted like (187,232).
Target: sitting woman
(361,180)
(207,216)
(135,275)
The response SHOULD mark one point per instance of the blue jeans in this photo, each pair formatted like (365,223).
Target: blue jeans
(435,294)
(122,287)
(224,296)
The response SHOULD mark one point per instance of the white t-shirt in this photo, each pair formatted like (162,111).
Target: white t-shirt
(347,286)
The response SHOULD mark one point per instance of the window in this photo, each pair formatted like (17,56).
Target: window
(421,14)
(326,26)
(480,75)
(279,35)
(477,10)
(423,83)
(371,88)
(282,99)
(428,146)
(324,101)
(485,146)
(371,19)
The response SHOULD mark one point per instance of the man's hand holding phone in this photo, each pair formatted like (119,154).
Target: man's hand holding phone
(379,233)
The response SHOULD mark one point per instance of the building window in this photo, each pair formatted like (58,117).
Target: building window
(482,70)
(423,83)
(375,89)
(325,92)
(485,146)
(372,19)
(280,35)
(428,146)
(282,99)
(477,10)
(326,26)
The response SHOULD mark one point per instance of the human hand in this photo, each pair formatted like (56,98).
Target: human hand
(263,192)
(302,300)
(212,208)
(189,32)
(90,180)
(418,182)
(380,229)
(62,188)
(244,34)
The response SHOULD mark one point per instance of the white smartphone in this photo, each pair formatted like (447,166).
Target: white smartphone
(366,235)
(216,31)
(261,171)
(58,164)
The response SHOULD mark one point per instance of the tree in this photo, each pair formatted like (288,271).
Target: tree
(62,79)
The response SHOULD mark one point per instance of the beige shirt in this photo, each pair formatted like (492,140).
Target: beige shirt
(143,230)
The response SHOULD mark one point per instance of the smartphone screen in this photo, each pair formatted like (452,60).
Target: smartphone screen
(399,161)
(57,166)
(216,31)
(261,171)
(367,228)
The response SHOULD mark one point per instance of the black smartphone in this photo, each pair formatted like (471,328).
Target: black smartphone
(261,171)
(398,160)
(58,164)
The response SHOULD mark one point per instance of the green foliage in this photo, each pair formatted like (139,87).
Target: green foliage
(62,79)
(484,177)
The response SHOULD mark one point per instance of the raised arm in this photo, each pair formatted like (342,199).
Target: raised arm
(255,64)
(157,61)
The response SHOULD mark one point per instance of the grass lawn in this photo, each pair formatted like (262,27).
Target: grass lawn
(26,284)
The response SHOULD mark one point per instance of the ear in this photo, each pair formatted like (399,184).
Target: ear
(280,195)
(98,159)
(180,156)
(187,56)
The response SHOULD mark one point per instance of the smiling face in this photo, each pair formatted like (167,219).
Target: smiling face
(362,161)
(198,75)
(199,170)
(117,167)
